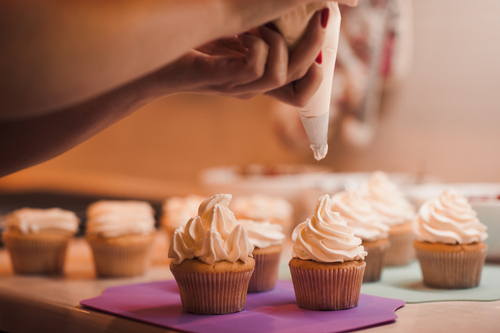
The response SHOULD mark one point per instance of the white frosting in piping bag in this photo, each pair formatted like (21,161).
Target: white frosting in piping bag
(314,116)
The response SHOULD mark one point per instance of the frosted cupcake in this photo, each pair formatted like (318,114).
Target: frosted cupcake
(262,208)
(327,266)
(212,260)
(177,211)
(267,239)
(396,212)
(360,215)
(37,239)
(449,243)
(121,235)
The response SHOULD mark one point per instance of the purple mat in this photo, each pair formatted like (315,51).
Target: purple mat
(159,303)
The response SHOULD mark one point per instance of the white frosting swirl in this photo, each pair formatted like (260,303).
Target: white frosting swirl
(449,219)
(178,210)
(262,208)
(213,235)
(119,218)
(359,215)
(325,237)
(387,200)
(31,220)
(263,234)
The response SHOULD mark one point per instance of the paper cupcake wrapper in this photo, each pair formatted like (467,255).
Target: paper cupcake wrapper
(220,293)
(334,289)
(117,261)
(265,274)
(451,270)
(400,251)
(374,261)
(37,256)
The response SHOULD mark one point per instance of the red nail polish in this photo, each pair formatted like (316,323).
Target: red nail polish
(325,14)
(319,58)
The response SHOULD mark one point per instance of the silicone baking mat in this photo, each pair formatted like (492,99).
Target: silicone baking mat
(405,282)
(272,311)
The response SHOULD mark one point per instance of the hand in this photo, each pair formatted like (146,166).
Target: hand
(250,64)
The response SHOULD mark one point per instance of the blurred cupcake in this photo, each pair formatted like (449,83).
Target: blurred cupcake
(178,210)
(262,208)
(449,243)
(327,266)
(267,239)
(212,263)
(396,212)
(37,239)
(360,215)
(121,235)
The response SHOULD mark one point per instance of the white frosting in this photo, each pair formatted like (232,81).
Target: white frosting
(178,210)
(387,200)
(119,218)
(359,215)
(326,237)
(449,219)
(213,235)
(262,208)
(263,234)
(31,220)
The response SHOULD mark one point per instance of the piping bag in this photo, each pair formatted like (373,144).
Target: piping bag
(315,114)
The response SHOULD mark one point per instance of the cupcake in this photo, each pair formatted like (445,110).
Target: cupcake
(212,260)
(396,212)
(360,215)
(121,235)
(449,242)
(327,266)
(266,239)
(261,208)
(177,211)
(37,239)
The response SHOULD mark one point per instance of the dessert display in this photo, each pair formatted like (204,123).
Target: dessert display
(360,215)
(37,239)
(449,242)
(177,211)
(328,261)
(267,239)
(395,211)
(121,235)
(212,260)
(260,208)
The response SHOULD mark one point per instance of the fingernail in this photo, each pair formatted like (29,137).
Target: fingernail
(271,26)
(325,14)
(319,58)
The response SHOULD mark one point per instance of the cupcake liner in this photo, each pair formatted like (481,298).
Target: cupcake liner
(37,255)
(333,289)
(219,293)
(265,275)
(400,251)
(374,260)
(451,270)
(112,260)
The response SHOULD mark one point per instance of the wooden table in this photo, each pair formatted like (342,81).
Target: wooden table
(51,304)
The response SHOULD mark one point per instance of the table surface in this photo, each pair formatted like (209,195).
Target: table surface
(50,304)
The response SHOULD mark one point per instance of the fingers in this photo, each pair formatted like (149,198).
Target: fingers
(309,47)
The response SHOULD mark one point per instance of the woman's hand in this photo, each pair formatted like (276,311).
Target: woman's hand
(250,64)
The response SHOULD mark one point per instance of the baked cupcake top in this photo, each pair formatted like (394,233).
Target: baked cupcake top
(109,219)
(178,210)
(32,220)
(263,234)
(262,208)
(326,237)
(448,219)
(213,235)
(359,215)
(387,200)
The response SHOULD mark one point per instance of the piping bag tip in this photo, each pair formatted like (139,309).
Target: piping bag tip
(317,132)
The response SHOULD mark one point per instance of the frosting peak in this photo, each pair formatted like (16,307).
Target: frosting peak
(213,235)
(448,219)
(326,237)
